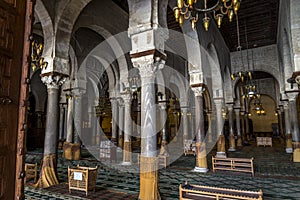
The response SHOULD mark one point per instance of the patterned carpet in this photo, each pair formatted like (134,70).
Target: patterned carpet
(275,174)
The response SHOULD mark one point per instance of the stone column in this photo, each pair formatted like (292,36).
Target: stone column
(163,119)
(114,110)
(39,119)
(65,120)
(209,131)
(48,175)
(61,125)
(231,132)
(238,127)
(70,119)
(148,66)
(246,117)
(280,121)
(77,117)
(201,161)
(121,122)
(127,152)
(294,125)
(220,123)
(288,133)
(185,123)
(244,139)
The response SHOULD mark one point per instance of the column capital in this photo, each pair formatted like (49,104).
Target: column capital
(198,91)
(148,62)
(126,97)
(229,107)
(53,80)
(292,96)
(162,105)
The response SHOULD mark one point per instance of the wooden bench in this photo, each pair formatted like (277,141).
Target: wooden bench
(190,147)
(264,141)
(188,192)
(30,172)
(82,178)
(233,164)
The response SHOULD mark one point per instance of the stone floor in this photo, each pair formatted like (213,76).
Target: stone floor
(275,174)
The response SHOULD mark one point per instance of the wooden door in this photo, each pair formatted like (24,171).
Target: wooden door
(13,93)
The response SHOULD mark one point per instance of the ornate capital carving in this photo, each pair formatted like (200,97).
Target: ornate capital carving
(198,91)
(53,80)
(162,105)
(292,96)
(126,98)
(148,65)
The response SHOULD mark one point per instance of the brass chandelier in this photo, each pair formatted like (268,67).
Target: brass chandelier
(37,61)
(190,9)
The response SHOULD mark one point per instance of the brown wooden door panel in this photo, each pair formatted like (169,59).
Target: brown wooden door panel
(12,23)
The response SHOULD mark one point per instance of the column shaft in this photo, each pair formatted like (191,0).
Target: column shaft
(70,120)
(121,123)
(238,127)
(231,132)
(61,122)
(220,122)
(127,156)
(77,119)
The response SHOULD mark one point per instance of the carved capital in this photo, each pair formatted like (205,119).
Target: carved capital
(162,105)
(198,91)
(126,98)
(53,80)
(292,96)
(148,65)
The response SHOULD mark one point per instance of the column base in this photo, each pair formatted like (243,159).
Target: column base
(232,149)
(289,150)
(221,155)
(126,163)
(71,151)
(200,169)
(239,141)
(296,155)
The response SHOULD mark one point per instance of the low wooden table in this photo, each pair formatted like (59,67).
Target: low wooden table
(233,164)
(264,141)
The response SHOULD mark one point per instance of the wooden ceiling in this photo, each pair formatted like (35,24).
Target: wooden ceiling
(259,18)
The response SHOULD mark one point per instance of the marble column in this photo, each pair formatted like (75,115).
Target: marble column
(220,123)
(65,120)
(121,122)
(77,117)
(280,122)
(185,123)
(127,151)
(209,131)
(61,122)
(70,119)
(244,139)
(201,160)
(163,119)
(148,66)
(114,110)
(288,133)
(294,125)
(48,174)
(247,128)
(238,127)
(232,146)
